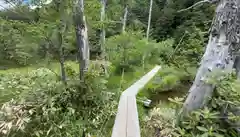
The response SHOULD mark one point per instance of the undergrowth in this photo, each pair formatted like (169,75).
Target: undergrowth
(220,118)
(44,106)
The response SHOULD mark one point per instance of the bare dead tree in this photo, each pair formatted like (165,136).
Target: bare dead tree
(82,38)
(149,18)
(219,55)
(103,33)
(124,21)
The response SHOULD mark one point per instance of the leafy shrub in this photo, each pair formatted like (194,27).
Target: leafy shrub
(215,119)
(160,121)
(167,79)
(125,50)
(170,79)
(161,52)
(181,57)
(219,118)
(20,41)
(14,84)
(46,107)
(129,50)
(189,48)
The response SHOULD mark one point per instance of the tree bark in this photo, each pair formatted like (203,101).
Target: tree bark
(82,38)
(223,41)
(149,18)
(60,41)
(125,18)
(61,32)
(62,66)
(103,35)
(237,66)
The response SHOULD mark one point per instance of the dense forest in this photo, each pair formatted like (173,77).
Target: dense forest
(65,63)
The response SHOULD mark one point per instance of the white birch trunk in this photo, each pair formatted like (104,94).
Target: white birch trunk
(218,55)
(82,38)
(125,18)
(86,45)
(103,33)
(149,18)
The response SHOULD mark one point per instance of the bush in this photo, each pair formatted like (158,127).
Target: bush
(46,107)
(161,52)
(189,48)
(168,78)
(219,118)
(129,50)
(125,50)
(159,122)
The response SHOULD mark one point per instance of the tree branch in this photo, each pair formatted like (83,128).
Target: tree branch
(198,3)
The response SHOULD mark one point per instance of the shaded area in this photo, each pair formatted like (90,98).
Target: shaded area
(163,96)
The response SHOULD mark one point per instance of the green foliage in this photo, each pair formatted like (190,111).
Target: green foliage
(160,121)
(43,106)
(168,78)
(130,49)
(218,117)
(181,59)
(189,49)
(13,44)
(204,122)
(126,50)
(228,91)
(161,52)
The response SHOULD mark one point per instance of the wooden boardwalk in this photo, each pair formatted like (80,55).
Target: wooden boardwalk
(127,122)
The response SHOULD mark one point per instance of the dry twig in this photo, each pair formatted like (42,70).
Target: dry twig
(198,3)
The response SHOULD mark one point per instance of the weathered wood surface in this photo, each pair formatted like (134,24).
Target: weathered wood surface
(127,122)
(224,41)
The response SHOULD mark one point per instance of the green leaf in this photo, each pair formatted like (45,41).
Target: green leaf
(205,135)
(202,129)
(217,134)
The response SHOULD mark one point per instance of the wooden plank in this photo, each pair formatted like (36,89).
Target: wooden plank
(133,128)
(119,129)
(137,86)
(127,122)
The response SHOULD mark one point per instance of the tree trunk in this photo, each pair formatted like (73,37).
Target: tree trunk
(223,40)
(82,38)
(60,42)
(86,46)
(149,18)
(237,66)
(103,35)
(148,30)
(62,66)
(125,18)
